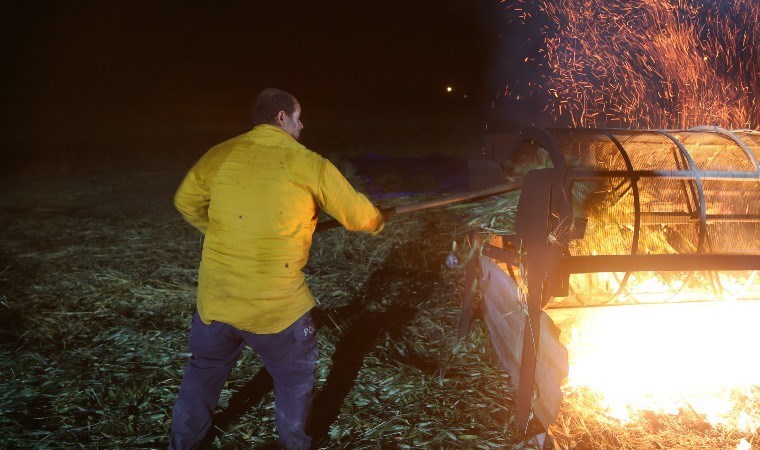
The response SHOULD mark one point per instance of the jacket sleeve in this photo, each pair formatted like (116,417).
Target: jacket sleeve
(192,200)
(352,209)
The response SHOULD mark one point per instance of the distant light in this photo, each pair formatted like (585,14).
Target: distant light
(448,89)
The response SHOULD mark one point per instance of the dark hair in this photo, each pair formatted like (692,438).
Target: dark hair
(269,103)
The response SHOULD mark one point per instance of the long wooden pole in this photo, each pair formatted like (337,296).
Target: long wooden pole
(435,203)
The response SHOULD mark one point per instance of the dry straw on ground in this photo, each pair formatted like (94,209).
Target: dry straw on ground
(97,289)
(97,284)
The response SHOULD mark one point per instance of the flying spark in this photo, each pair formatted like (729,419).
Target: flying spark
(651,64)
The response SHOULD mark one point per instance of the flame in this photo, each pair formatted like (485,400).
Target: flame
(656,64)
(667,357)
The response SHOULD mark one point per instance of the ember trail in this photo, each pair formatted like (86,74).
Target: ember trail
(687,66)
(651,64)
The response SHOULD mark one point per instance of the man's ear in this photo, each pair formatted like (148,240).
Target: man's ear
(281,116)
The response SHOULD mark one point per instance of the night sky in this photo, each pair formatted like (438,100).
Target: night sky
(84,70)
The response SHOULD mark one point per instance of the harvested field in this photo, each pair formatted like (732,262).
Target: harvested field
(97,277)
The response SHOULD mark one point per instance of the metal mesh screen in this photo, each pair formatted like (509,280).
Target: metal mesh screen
(658,192)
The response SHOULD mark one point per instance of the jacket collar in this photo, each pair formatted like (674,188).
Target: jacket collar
(272,135)
(268,130)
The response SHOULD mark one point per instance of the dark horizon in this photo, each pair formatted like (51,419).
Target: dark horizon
(88,72)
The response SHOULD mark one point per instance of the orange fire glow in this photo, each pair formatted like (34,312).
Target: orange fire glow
(663,64)
(656,64)
(667,357)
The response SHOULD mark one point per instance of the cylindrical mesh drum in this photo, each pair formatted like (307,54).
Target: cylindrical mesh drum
(654,192)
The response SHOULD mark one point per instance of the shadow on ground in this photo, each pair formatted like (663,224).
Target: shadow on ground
(396,286)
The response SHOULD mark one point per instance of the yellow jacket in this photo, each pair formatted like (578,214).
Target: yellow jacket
(256,199)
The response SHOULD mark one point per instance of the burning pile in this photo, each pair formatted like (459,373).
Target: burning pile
(655,64)
(650,358)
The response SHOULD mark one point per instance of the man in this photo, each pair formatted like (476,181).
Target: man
(256,199)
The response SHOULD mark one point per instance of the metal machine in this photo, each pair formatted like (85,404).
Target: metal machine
(607,217)
(624,216)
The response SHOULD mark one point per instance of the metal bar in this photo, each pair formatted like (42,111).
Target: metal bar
(734,217)
(697,176)
(637,263)
(636,207)
(712,175)
(635,191)
(712,217)
(534,224)
(500,254)
(737,140)
(691,215)
(552,305)
(690,193)
(682,218)
(529,357)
